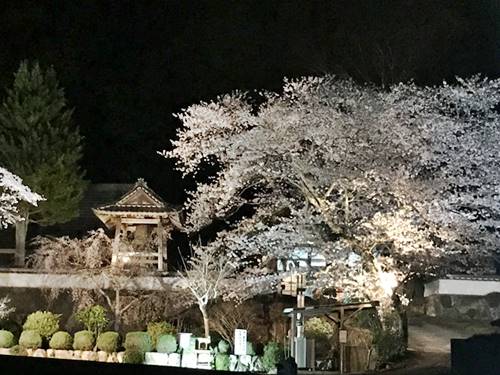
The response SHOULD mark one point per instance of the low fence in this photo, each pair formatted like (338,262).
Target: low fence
(477,355)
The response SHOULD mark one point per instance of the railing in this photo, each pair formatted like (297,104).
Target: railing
(7,251)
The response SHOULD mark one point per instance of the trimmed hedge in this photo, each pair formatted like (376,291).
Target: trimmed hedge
(108,341)
(133,356)
(166,344)
(7,339)
(30,339)
(84,340)
(61,341)
(138,341)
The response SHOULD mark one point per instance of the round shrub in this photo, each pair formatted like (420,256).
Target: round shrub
(108,341)
(6,339)
(18,350)
(44,322)
(12,326)
(222,362)
(61,341)
(138,341)
(84,340)
(166,344)
(250,348)
(223,346)
(30,339)
(157,329)
(133,356)
(273,354)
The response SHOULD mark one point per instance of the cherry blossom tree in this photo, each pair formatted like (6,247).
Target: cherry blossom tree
(386,184)
(12,192)
(210,274)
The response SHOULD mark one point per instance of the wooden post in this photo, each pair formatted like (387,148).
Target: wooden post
(116,248)
(160,246)
(292,334)
(342,346)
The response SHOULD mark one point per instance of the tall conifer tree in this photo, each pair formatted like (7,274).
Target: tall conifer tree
(40,143)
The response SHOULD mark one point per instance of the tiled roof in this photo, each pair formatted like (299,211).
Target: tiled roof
(126,203)
(134,208)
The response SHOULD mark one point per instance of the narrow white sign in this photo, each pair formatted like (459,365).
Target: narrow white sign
(240,341)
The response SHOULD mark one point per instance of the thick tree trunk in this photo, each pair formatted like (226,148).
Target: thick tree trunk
(21,232)
(206,322)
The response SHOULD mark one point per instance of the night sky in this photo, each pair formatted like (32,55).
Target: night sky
(126,66)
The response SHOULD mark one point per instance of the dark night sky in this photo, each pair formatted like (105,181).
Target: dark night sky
(127,66)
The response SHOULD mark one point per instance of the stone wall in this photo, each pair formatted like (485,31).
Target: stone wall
(461,307)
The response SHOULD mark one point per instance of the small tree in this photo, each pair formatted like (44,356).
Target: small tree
(204,276)
(93,318)
(39,143)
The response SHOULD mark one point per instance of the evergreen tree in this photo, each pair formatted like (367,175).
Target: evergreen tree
(40,143)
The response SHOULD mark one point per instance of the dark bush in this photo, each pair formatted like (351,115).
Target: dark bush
(138,341)
(133,356)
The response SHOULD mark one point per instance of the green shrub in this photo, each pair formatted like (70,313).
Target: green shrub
(84,340)
(222,362)
(388,336)
(323,333)
(133,356)
(223,346)
(166,344)
(61,341)
(12,326)
(108,341)
(30,339)
(138,341)
(44,322)
(157,329)
(273,354)
(389,345)
(6,339)
(93,319)
(250,348)
(18,350)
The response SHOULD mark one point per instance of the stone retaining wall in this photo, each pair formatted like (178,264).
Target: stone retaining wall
(483,308)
